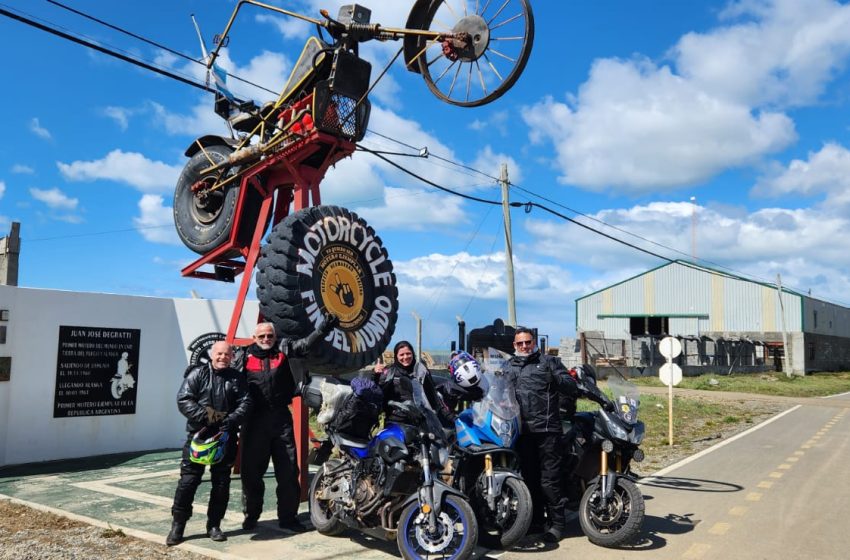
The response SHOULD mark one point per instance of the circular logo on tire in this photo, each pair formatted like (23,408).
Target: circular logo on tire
(340,276)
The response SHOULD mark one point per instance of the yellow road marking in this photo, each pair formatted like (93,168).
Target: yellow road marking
(719,529)
(765,484)
(775,474)
(784,466)
(798,453)
(792,459)
(738,511)
(697,550)
(754,496)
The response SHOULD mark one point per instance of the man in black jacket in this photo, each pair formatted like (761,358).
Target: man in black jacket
(268,432)
(542,383)
(212,396)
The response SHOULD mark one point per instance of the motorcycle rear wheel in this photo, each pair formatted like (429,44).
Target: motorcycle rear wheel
(321,512)
(504,528)
(619,522)
(457,532)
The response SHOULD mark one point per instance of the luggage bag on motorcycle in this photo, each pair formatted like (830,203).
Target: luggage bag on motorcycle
(359,411)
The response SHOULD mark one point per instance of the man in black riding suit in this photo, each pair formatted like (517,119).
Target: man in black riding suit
(268,432)
(542,383)
(214,396)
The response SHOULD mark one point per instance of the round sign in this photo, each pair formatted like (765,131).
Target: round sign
(670,372)
(670,347)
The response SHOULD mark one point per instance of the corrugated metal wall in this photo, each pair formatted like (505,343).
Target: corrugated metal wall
(699,301)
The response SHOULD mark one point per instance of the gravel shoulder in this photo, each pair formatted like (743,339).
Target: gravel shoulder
(27,533)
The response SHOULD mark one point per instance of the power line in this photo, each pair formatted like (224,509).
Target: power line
(106,51)
(153,43)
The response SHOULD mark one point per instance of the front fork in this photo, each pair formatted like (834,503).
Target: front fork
(427,503)
(491,481)
(607,478)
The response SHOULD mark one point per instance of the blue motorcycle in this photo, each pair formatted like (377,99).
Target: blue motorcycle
(486,468)
(389,486)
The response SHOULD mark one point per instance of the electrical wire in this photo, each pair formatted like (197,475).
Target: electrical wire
(153,43)
(106,51)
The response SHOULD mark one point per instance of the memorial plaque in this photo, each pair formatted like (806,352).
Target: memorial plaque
(97,371)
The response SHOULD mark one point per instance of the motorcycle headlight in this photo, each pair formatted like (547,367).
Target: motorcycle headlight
(504,429)
(617,431)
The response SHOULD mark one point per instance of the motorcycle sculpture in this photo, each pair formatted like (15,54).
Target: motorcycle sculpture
(468,53)
(389,486)
(601,446)
(486,468)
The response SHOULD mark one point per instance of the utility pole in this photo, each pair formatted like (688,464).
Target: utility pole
(694,228)
(509,251)
(786,359)
(418,334)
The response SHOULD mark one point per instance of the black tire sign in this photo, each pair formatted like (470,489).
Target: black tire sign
(97,371)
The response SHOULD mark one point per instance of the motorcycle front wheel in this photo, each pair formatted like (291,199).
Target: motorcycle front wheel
(504,527)
(454,538)
(322,515)
(616,523)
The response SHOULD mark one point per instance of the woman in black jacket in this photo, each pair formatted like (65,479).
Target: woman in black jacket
(395,382)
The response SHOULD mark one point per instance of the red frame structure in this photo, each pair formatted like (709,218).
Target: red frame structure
(289,175)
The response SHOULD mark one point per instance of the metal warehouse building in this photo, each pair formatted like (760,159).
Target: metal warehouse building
(725,322)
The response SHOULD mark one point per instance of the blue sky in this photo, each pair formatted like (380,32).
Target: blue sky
(626,110)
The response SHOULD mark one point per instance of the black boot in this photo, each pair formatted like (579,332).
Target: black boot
(175,536)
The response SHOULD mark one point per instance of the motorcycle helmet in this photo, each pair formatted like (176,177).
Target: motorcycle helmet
(465,370)
(207,446)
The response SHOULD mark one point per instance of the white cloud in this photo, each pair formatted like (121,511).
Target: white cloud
(121,115)
(22,169)
(131,168)
(414,210)
(491,163)
(55,199)
(156,221)
(758,244)
(778,51)
(201,120)
(38,130)
(825,172)
(638,127)
(2,189)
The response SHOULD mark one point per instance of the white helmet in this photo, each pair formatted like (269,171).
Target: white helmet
(465,370)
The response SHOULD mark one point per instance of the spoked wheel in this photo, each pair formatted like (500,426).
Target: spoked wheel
(617,522)
(486,60)
(454,537)
(503,527)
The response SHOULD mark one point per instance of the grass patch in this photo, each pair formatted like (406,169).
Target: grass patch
(771,383)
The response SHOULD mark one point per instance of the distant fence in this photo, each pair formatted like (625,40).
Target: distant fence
(640,354)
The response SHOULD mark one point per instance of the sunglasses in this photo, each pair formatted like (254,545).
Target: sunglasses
(264,336)
(523,342)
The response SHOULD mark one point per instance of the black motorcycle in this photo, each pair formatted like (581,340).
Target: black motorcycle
(389,486)
(601,446)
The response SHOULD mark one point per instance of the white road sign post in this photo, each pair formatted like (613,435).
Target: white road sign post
(670,374)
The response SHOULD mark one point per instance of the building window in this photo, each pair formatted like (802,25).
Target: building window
(640,326)
(3,334)
(811,350)
(816,318)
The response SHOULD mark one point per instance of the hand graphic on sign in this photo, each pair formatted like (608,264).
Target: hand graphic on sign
(343,292)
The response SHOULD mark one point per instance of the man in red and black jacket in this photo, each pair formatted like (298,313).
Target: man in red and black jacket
(267,432)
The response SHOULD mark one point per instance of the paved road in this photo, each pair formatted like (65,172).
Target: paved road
(780,490)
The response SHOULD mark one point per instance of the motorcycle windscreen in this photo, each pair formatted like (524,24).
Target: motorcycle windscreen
(626,397)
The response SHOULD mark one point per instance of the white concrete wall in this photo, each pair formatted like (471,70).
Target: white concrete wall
(28,431)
